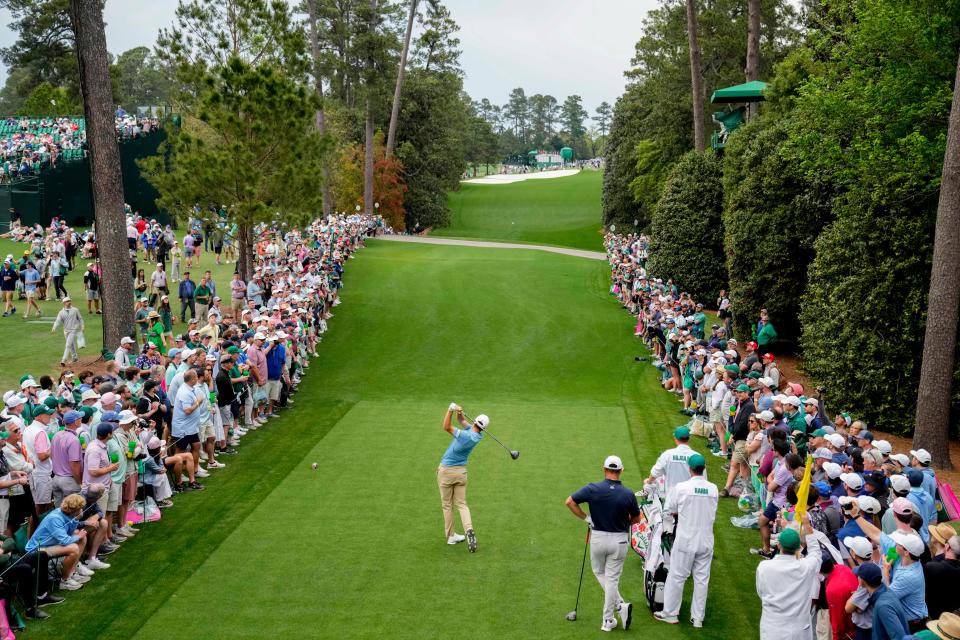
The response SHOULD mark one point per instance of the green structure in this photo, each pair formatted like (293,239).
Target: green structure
(731,119)
(567,154)
(64,190)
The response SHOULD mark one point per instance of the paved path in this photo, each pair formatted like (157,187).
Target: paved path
(580,253)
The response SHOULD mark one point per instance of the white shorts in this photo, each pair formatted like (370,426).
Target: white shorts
(273,390)
(30,294)
(41,486)
(4,512)
(207,431)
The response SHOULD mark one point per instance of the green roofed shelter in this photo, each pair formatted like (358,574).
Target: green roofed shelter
(747,92)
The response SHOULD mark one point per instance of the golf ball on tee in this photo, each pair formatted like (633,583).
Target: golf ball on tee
(314,466)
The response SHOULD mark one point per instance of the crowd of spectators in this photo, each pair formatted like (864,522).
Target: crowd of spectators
(29,145)
(874,556)
(87,456)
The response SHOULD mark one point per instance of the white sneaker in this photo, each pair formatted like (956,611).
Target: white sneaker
(456,539)
(609,625)
(662,617)
(129,531)
(239,431)
(234,442)
(83,570)
(184,478)
(202,473)
(96,564)
(79,578)
(203,455)
(697,624)
(70,585)
(625,611)
(216,465)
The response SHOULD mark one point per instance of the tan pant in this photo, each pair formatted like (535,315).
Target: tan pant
(453,491)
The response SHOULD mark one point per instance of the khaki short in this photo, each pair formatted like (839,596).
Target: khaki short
(207,431)
(273,390)
(41,486)
(113,500)
(740,453)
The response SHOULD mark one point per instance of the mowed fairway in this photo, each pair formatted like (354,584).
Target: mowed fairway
(356,548)
(562,211)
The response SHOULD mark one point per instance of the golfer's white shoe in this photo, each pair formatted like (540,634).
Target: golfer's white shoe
(662,617)
(625,611)
(609,625)
(697,624)
(456,539)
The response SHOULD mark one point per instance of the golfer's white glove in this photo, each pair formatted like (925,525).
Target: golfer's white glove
(453,406)
(589,521)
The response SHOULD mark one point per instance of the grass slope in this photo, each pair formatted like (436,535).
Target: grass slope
(564,212)
(27,346)
(355,549)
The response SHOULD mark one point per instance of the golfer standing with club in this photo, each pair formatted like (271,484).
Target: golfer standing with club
(452,473)
(613,508)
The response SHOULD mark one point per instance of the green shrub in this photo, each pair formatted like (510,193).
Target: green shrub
(771,217)
(686,233)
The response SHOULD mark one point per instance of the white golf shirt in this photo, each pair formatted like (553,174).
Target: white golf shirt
(672,466)
(695,503)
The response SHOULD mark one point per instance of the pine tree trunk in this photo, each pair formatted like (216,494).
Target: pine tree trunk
(368,162)
(752,70)
(696,78)
(401,74)
(943,306)
(244,251)
(105,179)
(320,118)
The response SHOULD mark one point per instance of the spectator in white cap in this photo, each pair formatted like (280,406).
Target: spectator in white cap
(920,459)
(884,447)
(811,408)
(833,472)
(122,354)
(820,457)
(853,483)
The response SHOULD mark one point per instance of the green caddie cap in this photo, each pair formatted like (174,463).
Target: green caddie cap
(681,433)
(696,461)
(789,540)
(744,388)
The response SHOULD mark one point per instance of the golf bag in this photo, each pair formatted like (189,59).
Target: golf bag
(652,542)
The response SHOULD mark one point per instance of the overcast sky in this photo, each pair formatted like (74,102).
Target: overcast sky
(560,47)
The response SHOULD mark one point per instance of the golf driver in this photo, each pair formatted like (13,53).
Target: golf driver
(513,454)
(572,616)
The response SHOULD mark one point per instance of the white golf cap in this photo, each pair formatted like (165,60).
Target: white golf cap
(836,440)
(794,400)
(259,336)
(909,541)
(767,382)
(613,463)
(824,453)
(812,401)
(883,447)
(29,382)
(859,546)
(869,504)
(899,483)
(482,421)
(767,416)
(922,455)
(15,400)
(126,417)
(902,459)
(127,340)
(833,470)
(852,480)
(89,394)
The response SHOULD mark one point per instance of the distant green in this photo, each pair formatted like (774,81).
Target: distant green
(564,212)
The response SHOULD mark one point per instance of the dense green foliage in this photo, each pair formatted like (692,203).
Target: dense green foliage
(872,123)
(771,217)
(686,232)
(657,104)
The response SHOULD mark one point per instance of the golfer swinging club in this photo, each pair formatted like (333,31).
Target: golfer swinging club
(613,508)
(452,473)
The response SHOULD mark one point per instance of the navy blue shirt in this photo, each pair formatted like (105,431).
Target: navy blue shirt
(612,505)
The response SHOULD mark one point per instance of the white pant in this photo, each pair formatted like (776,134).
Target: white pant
(70,349)
(683,562)
(608,551)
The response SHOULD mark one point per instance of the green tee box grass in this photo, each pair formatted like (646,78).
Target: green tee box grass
(356,548)
(564,212)
(27,346)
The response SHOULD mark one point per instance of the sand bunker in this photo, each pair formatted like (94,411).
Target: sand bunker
(508,178)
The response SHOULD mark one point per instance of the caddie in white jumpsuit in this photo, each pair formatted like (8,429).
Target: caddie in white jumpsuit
(694,503)
(672,464)
(785,584)
(613,508)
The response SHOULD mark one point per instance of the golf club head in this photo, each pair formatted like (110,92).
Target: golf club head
(514,454)
(572,616)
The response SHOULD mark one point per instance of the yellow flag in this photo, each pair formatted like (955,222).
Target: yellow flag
(804,489)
